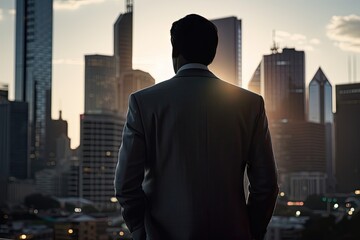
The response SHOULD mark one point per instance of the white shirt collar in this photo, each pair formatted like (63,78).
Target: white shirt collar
(192,66)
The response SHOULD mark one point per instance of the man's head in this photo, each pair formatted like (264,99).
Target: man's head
(194,40)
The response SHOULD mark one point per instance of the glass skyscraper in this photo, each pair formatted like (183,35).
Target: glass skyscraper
(100,84)
(320,111)
(33,70)
(227,64)
(320,99)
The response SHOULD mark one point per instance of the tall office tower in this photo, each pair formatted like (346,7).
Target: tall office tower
(347,130)
(14,137)
(255,81)
(227,64)
(123,37)
(320,111)
(100,139)
(128,80)
(132,81)
(100,84)
(14,153)
(283,79)
(33,70)
(320,99)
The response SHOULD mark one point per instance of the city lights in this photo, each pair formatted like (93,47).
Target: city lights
(113,200)
(357,192)
(77,210)
(282,194)
(336,206)
(70,231)
(121,233)
(298,213)
(23,236)
(295,203)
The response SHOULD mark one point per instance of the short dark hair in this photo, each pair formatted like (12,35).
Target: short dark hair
(195,38)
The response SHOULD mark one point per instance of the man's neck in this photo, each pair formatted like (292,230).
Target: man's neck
(193,66)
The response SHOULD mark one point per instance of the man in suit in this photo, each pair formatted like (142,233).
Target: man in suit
(186,144)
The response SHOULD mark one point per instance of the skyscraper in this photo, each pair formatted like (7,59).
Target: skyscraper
(33,70)
(128,79)
(123,40)
(283,79)
(14,153)
(227,63)
(100,139)
(320,111)
(320,99)
(347,131)
(100,84)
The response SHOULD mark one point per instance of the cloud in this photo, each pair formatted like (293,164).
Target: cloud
(1,14)
(62,61)
(345,31)
(314,41)
(297,37)
(298,40)
(73,4)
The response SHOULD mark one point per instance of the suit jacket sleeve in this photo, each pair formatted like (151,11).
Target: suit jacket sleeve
(129,173)
(262,174)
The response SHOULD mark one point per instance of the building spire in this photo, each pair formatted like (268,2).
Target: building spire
(274,49)
(129,6)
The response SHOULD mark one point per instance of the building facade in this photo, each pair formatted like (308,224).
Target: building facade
(14,139)
(100,141)
(227,64)
(100,84)
(320,99)
(123,40)
(33,70)
(132,81)
(347,132)
(283,80)
(320,111)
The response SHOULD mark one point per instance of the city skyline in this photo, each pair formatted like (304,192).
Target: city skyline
(319,35)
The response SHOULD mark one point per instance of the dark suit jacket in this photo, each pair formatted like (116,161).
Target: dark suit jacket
(186,144)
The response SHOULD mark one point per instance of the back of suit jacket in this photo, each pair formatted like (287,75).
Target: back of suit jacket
(194,135)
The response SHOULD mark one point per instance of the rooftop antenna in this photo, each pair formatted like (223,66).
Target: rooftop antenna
(354,66)
(274,49)
(349,68)
(60,111)
(129,6)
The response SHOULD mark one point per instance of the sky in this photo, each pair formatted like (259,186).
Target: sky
(327,30)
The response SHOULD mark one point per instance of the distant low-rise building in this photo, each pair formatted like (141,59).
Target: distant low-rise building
(80,227)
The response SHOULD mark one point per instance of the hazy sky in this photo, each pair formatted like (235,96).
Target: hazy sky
(327,30)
